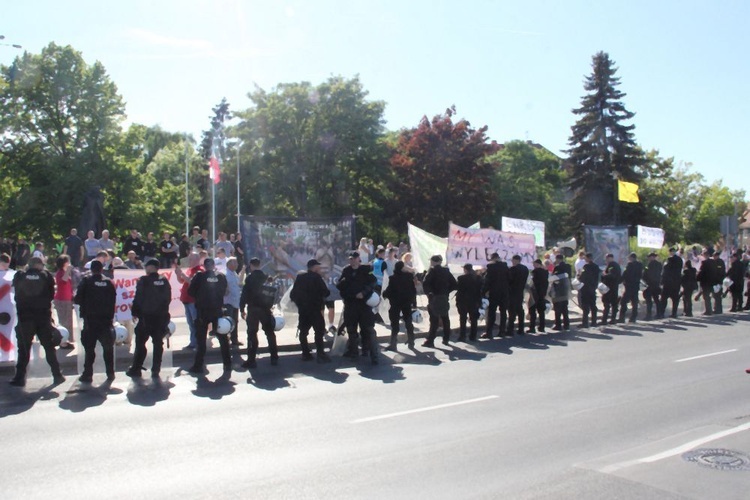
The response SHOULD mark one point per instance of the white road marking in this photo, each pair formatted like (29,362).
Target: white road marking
(420,410)
(676,451)
(705,355)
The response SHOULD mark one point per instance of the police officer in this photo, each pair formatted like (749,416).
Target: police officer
(706,278)
(590,279)
(561,287)
(309,293)
(401,293)
(689,284)
(96,297)
(468,302)
(356,284)
(611,277)
(438,283)
(631,281)
(259,299)
(208,289)
(652,277)
(496,289)
(539,286)
(153,293)
(34,290)
(670,279)
(720,274)
(737,275)
(518,277)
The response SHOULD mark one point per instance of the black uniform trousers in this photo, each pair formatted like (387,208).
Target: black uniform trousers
(258,317)
(587,298)
(395,313)
(358,315)
(651,296)
(515,312)
(33,323)
(629,297)
(562,314)
(718,297)
(202,322)
(152,327)
(687,301)
(312,319)
(438,309)
(98,329)
(538,309)
(669,293)
(472,314)
(610,300)
(497,303)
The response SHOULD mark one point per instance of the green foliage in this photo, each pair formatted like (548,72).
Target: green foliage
(441,173)
(603,147)
(712,202)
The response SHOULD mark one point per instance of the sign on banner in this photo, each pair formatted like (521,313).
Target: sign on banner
(8,344)
(475,246)
(424,245)
(650,237)
(524,226)
(125,281)
(601,240)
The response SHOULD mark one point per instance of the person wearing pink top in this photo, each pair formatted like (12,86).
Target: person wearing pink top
(64,297)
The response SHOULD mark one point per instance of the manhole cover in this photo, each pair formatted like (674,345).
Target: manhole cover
(718,458)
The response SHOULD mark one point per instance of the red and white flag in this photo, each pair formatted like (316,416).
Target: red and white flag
(214,170)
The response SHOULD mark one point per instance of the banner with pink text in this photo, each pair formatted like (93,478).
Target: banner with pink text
(476,246)
(125,281)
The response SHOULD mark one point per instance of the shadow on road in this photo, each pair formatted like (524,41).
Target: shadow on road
(15,400)
(81,397)
(216,389)
(147,393)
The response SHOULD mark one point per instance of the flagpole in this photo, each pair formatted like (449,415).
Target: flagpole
(213,219)
(187,191)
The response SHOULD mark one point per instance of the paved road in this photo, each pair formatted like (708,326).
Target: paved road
(586,414)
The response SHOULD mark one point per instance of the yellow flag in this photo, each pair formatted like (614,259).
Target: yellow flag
(627,192)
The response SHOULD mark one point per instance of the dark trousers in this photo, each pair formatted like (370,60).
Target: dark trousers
(736,299)
(651,296)
(718,297)
(38,323)
(312,319)
(202,323)
(708,293)
(515,313)
(438,312)
(687,301)
(610,303)
(98,329)
(497,303)
(154,328)
(359,316)
(470,313)
(562,314)
(259,317)
(629,297)
(395,313)
(538,309)
(672,294)
(587,298)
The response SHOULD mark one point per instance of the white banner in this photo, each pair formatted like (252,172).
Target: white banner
(524,226)
(423,246)
(125,281)
(8,350)
(650,237)
(475,246)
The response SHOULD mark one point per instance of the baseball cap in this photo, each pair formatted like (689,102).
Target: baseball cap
(312,263)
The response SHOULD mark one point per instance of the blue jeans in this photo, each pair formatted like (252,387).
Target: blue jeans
(191,313)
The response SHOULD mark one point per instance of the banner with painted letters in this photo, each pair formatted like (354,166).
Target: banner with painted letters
(524,226)
(8,350)
(475,246)
(650,237)
(125,281)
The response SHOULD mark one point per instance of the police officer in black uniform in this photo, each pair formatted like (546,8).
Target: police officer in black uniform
(259,299)
(689,283)
(309,294)
(611,278)
(96,296)
(561,287)
(539,286)
(468,302)
(518,277)
(438,283)
(720,273)
(402,294)
(652,277)
(208,289)
(590,279)
(356,284)
(631,281)
(670,280)
(496,289)
(34,290)
(706,278)
(153,293)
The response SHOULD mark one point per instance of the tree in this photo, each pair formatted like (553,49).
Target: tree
(714,201)
(441,173)
(60,123)
(528,183)
(602,147)
(212,143)
(313,151)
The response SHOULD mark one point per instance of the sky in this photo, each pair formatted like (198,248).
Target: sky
(516,66)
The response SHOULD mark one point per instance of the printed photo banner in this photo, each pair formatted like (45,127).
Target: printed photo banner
(524,226)
(650,237)
(475,246)
(285,244)
(8,351)
(424,245)
(125,281)
(601,240)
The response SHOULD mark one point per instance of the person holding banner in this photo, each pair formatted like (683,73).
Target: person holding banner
(652,277)
(611,277)
(561,286)
(496,289)
(96,296)
(631,280)
(153,293)
(538,302)
(671,280)
(590,279)
(357,284)
(518,275)
(438,283)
